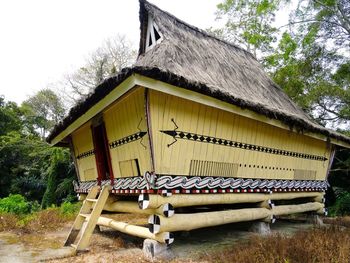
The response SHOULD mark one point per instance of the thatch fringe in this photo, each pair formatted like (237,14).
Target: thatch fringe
(107,86)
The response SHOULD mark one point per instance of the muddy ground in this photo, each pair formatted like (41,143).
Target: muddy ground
(111,246)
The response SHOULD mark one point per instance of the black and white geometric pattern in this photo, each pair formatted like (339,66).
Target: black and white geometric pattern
(143,201)
(168,184)
(168,210)
(85,154)
(197,182)
(138,182)
(169,238)
(246,146)
(127,139)
(270,203)
(272,219)
(325,211)
(154,224)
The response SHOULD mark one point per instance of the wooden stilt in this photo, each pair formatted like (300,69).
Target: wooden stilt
(180,222)
(153,201)
(166,209)
(138,231)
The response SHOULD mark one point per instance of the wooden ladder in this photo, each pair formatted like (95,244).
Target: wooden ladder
(87,218)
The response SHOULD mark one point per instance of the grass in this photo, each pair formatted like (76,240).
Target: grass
(40,221)
(327,244)
(341,221)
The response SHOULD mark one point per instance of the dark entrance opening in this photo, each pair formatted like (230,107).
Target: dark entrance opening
(103,160)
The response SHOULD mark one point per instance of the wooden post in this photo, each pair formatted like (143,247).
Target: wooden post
(293,209)
(166,210)
(133,230)
(147,201)
(180,222)
(187,222)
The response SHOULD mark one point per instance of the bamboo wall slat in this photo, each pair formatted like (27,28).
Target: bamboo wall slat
(82,143)
(127,117)
(204,120)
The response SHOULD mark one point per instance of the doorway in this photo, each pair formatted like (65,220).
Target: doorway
(102,156)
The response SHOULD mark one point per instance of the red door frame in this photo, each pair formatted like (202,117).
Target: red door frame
(101,152)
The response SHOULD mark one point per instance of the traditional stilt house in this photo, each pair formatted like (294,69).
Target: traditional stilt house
(196,122)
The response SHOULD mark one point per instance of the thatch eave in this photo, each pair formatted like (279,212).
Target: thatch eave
(190,58)
(293,122)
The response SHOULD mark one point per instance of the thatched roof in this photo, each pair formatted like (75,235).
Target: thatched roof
(192,59)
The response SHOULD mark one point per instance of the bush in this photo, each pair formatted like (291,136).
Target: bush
(69,209)
(341,206)
(8,221)
(15,204)
(17,214)
(48,219)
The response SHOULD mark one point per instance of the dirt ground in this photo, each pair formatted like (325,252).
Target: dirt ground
(111,246)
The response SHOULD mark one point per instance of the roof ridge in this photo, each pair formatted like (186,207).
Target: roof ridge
(197,29)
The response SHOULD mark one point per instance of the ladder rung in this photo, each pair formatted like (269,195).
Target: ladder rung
(85,215)
(90,212)
(91,200)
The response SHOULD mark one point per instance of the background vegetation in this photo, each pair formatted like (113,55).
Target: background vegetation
(308,57)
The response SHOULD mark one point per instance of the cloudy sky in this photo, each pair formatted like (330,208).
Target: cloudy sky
(42,40)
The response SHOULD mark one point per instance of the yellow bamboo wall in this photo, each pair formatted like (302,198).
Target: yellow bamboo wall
(127,117)
(200,119)
(83,147)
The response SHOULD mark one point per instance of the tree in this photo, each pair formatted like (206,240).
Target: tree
(114,54)
(311,62)
(10,116)
(42,111)
(327,21)
(311,59)
(28,165)
(249,23)
(322,29)
(59,171)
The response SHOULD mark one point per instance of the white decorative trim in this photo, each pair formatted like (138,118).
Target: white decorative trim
(167,185)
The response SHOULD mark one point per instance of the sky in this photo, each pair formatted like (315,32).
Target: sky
(42,40)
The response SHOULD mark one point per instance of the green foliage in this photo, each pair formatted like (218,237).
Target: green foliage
(9,117)
(38,220)
(69,209)
(249,23)
(15,204)
(341,206)
(28,164)
(23,162)
(310,60)
(60,168)
(337,196)
(43,110)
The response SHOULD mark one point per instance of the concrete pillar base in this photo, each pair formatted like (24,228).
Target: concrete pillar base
(314,219)
(153,250)
(261,228)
